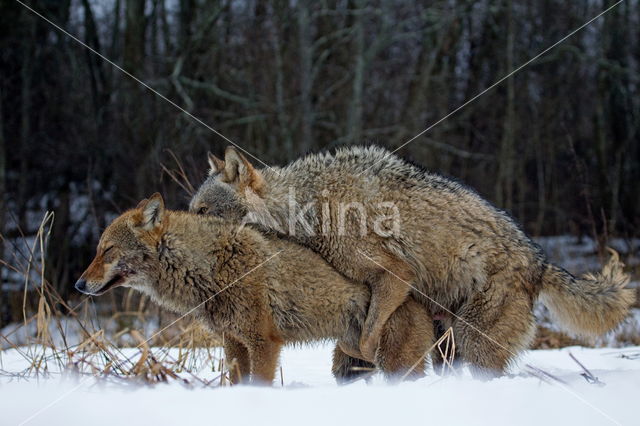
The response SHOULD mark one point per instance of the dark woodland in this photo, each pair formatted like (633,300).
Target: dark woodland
(557,144)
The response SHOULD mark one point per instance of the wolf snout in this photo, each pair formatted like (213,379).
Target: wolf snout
(81,285)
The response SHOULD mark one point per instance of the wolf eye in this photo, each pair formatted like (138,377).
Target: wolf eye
(106,250)
(203,210)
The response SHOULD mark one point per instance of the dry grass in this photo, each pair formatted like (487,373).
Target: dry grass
(181,352)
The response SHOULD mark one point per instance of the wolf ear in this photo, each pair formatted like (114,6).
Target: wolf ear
(141,203)
(237,169)
(152,211)
(216,165)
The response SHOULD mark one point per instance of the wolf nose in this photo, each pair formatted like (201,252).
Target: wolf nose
(81,285)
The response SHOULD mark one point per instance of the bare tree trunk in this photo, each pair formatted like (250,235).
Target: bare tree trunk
(540,176)
(620,106)
(354,117)
(280,90)
(58,261)
(95,65)
(435,36)
(306,55)
(134,36)
(25,125)
(419,85)
(506,175)
(154,47)
(115,29)
(187,11)
(135,113)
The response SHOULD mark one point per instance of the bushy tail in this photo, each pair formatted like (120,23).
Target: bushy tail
(591,305)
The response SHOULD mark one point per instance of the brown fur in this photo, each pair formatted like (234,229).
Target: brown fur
(259,292)
(465,256)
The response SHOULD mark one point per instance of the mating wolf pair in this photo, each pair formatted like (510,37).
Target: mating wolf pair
(299,274)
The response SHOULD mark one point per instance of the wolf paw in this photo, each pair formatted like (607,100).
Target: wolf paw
(368,347)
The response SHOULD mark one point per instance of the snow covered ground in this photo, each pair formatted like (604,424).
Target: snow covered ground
(310,396)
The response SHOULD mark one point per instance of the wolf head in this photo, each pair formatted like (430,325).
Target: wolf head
(125,253)
(233,188)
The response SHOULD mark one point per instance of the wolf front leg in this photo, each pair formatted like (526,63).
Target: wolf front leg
(264,354)
(237,359)
(388,292)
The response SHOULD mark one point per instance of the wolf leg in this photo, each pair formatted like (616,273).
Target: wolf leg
(237,359)
(264,359)
(387,293)
(347,368)
(406,337)
(491,330)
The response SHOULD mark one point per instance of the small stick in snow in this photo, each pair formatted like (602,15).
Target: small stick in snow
(632,356)
(281,377)
(543,375)
(588,376)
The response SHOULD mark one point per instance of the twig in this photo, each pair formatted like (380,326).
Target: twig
(543,375)
(588,375)
(179,176)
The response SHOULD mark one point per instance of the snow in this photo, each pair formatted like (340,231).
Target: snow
(310,396)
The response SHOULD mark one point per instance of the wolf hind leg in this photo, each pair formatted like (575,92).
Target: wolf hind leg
(406,337)
(388,292)
(491,330)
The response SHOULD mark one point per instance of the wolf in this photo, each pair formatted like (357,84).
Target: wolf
(237,283)
(467,261)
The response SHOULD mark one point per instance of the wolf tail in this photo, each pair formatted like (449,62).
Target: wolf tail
(590,305)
